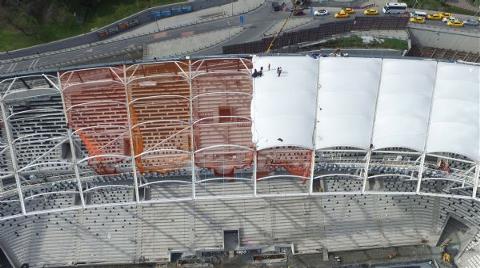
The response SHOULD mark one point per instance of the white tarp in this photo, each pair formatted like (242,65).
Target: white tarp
(454,125)
(346,101)
(404,102)
(283,108)
(416,104)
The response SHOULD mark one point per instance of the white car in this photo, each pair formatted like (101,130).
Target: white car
(451,18)
(321,12)
(418,14)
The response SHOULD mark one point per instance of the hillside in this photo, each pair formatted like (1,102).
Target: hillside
(30,22)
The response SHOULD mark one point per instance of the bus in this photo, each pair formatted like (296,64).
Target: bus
(395,8)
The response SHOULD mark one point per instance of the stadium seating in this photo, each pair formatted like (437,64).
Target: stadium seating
(159,125)
(124,233)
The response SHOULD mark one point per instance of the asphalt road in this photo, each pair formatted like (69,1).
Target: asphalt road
(142,17)
(257,22)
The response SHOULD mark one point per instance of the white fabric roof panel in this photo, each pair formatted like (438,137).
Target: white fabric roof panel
(283,108)
(346,101)
(404,102)
(416,104)
(454,125)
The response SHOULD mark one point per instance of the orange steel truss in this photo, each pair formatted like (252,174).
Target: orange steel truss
(96,111)
(174,114)
(292,160)
(222,93)
(158,97)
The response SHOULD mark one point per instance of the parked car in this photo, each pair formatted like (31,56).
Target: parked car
(276,6)
(446,14)
(455,23)
(420,20)
(349,10)
(370,12)
(342,14)
(471,22)
(416,13)
(435,16)
(447,19)
(321,12)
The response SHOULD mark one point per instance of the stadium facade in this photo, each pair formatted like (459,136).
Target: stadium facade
(133,163)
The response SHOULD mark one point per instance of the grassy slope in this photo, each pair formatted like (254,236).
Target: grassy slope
(437,5)
(107,12)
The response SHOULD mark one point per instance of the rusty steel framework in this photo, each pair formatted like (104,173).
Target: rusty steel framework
(186,123)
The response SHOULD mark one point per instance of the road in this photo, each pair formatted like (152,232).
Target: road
(256,22)
(143,17)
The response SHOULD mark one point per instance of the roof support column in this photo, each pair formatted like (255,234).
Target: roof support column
(367,166)
(420,173)
(312,171)
(424,154)
(73,150)
(75,166)
(312,163)
(475,182)
(8,132)
(370,149)
(192,140)
(130,132)
(254,176)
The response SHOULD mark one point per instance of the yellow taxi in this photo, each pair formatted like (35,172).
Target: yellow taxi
(445,14)
(370,12)
(342,14)
(455,23)
(435,16)
(417,19)
(349,10)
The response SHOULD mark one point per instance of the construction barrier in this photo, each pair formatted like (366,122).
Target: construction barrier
(322,31)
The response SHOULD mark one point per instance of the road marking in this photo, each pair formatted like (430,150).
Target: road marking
(35,64)
(12,67)
(31,64)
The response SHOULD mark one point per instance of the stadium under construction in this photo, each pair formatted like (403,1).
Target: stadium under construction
(154,162)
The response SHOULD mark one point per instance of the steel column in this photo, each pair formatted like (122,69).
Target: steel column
(73,150)
(130,132)
(420,173)
(312,163)
(369,152)
(8,132)
(475,183)
(312,170)
(424,154)
(254,176)
(192,140)
(367,166)
(75,166)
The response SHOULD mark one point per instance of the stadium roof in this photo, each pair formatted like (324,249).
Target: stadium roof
(281,106)
(190,122)
(421,105)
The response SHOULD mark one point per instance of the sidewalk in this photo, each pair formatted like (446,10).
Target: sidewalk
(204,15)
(187,45)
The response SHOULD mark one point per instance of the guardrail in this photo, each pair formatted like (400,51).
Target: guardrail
(322,31)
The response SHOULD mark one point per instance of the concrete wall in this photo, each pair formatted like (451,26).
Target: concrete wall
(427,36)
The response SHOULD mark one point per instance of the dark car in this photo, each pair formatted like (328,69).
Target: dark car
(276,6)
